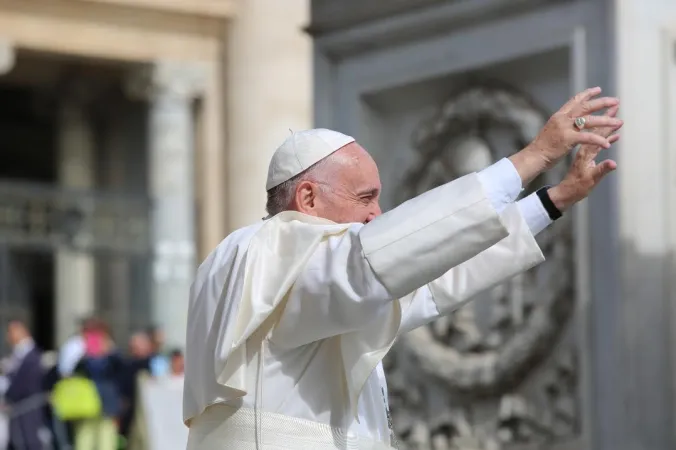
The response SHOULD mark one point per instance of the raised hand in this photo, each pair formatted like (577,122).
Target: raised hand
(584,173)
(564,131)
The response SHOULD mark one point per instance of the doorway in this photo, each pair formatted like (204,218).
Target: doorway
(27,276)
(27,155)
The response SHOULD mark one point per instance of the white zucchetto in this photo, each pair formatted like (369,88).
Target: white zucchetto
(302,150)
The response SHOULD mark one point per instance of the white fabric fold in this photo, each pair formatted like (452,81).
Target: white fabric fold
(420,240)
(275,256)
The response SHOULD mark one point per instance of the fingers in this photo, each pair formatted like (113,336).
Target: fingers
(582,103)
(589,107)
(590,139)
(589,153)
(602,122)
(603,169)
(560,134)
(581,97)
(604,126)
(613,110)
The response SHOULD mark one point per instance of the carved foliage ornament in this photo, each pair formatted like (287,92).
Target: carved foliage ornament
(469,380)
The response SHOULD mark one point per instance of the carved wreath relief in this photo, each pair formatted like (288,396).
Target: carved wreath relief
(499,374)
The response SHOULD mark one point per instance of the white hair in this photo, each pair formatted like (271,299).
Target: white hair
(281,196)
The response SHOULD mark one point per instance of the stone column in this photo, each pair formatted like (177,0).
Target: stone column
(269,90)
(211,184)
(171,89)
(7,56)
(113,271)
(75,271)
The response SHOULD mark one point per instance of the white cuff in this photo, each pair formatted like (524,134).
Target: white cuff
(502,183)
(534,213)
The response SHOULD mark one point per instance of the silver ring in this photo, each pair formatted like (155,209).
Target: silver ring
(580,123)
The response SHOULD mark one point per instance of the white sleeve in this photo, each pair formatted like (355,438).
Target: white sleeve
(502,185)
(509,257)
(418,309)
(421,239)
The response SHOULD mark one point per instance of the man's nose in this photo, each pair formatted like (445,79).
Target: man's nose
(375,213)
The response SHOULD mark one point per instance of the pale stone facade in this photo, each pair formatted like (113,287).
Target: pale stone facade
(175,103)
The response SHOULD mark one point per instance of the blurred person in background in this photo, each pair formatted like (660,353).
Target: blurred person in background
(74,348)
(104,366)
(24,396)
(140,352)
(69,355)
(177,363)
(159,362)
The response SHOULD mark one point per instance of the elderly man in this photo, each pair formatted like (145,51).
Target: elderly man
(290,318)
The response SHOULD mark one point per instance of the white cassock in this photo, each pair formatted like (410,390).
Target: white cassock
(290,318)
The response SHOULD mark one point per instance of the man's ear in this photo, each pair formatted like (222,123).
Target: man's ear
(306,197)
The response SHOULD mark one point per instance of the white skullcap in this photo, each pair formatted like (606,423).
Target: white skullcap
(300,151)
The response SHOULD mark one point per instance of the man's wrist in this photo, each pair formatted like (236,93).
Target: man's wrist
(553,212)
(529,163)
(560,197)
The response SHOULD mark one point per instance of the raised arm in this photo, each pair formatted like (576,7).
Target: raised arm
(515,253)
(352,277)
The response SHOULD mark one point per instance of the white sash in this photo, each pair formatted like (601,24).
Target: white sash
(223,427)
